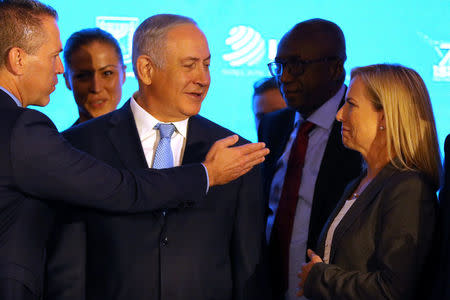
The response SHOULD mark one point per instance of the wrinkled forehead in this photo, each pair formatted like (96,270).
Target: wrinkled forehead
(188,39)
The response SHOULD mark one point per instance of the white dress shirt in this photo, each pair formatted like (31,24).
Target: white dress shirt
(330,234)
(323,118)
(149,136)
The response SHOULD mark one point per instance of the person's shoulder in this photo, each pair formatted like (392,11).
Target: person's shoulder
(276,122)
(18,123)
(411,180)
(277,115)
(91,126)
(406,175)
(29,117)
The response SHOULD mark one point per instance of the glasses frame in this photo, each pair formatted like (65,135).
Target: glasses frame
(298,64)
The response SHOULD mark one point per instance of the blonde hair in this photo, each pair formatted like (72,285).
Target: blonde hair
(410,127)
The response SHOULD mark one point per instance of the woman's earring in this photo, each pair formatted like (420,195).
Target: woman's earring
(381,127)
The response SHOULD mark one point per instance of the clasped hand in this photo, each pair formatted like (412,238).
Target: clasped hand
(303,274)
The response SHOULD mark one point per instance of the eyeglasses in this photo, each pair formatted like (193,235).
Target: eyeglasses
(295,66)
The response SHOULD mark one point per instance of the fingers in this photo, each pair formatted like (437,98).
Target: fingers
(256,156)
(306,268)
(302,275)
(228,141)
(313,256)
(249,148)
(225,163)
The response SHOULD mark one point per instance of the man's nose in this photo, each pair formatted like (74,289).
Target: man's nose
(59,69)
(203,77)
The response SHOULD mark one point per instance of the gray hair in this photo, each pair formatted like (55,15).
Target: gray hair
(22,25)
(150,37)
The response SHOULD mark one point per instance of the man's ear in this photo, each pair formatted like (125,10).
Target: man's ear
(66,78)
(145,69)
(337,69)
(16,61)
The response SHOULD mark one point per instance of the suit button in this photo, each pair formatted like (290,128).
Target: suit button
(165,241)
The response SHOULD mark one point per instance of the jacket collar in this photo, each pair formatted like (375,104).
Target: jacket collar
(362,203)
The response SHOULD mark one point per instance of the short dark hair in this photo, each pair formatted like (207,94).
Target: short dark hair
(328,34)
(22,25)
(86,37)
(326,31)
(263,85)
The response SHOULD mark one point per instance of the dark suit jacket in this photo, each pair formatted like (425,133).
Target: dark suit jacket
(210,251)
(380,247)
(39,170)
(339,166)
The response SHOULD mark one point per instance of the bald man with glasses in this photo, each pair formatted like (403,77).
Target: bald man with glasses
(308,167)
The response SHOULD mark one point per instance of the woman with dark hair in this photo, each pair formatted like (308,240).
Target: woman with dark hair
(95,72)
(376,242)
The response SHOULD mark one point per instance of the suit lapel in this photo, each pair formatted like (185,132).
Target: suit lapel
(276,140)
(282,132)
(332,157)
(197,141)
(366,197)
(125,138)
(323,235)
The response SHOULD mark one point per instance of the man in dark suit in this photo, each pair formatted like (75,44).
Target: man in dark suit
(39,170)
(308,168)
(210,252)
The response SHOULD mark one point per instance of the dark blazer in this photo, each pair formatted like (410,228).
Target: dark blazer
(380,247)
(39,170)
(339,166)
(210,251)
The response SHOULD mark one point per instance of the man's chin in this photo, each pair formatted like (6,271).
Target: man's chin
(305,111)
(40,102)
(294,103)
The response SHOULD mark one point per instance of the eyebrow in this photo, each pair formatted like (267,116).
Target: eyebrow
(100,69)
(195,58)
(109,66)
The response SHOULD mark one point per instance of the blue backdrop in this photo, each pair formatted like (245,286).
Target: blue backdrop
(243,36)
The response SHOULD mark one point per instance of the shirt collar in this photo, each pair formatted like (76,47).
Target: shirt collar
(145,122)
(19,104)
(325,115)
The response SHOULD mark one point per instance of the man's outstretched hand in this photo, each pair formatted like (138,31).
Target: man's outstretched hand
(226,163)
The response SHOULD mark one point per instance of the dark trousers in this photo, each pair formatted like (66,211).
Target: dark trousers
(13,290)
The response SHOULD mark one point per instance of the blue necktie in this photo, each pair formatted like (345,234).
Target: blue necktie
(163,155)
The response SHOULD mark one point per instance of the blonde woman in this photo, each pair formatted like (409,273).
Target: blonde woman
(375,243)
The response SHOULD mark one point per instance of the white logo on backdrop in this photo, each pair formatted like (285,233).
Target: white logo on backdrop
(249,52)
(247,45)
(122,28)
(441,70)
